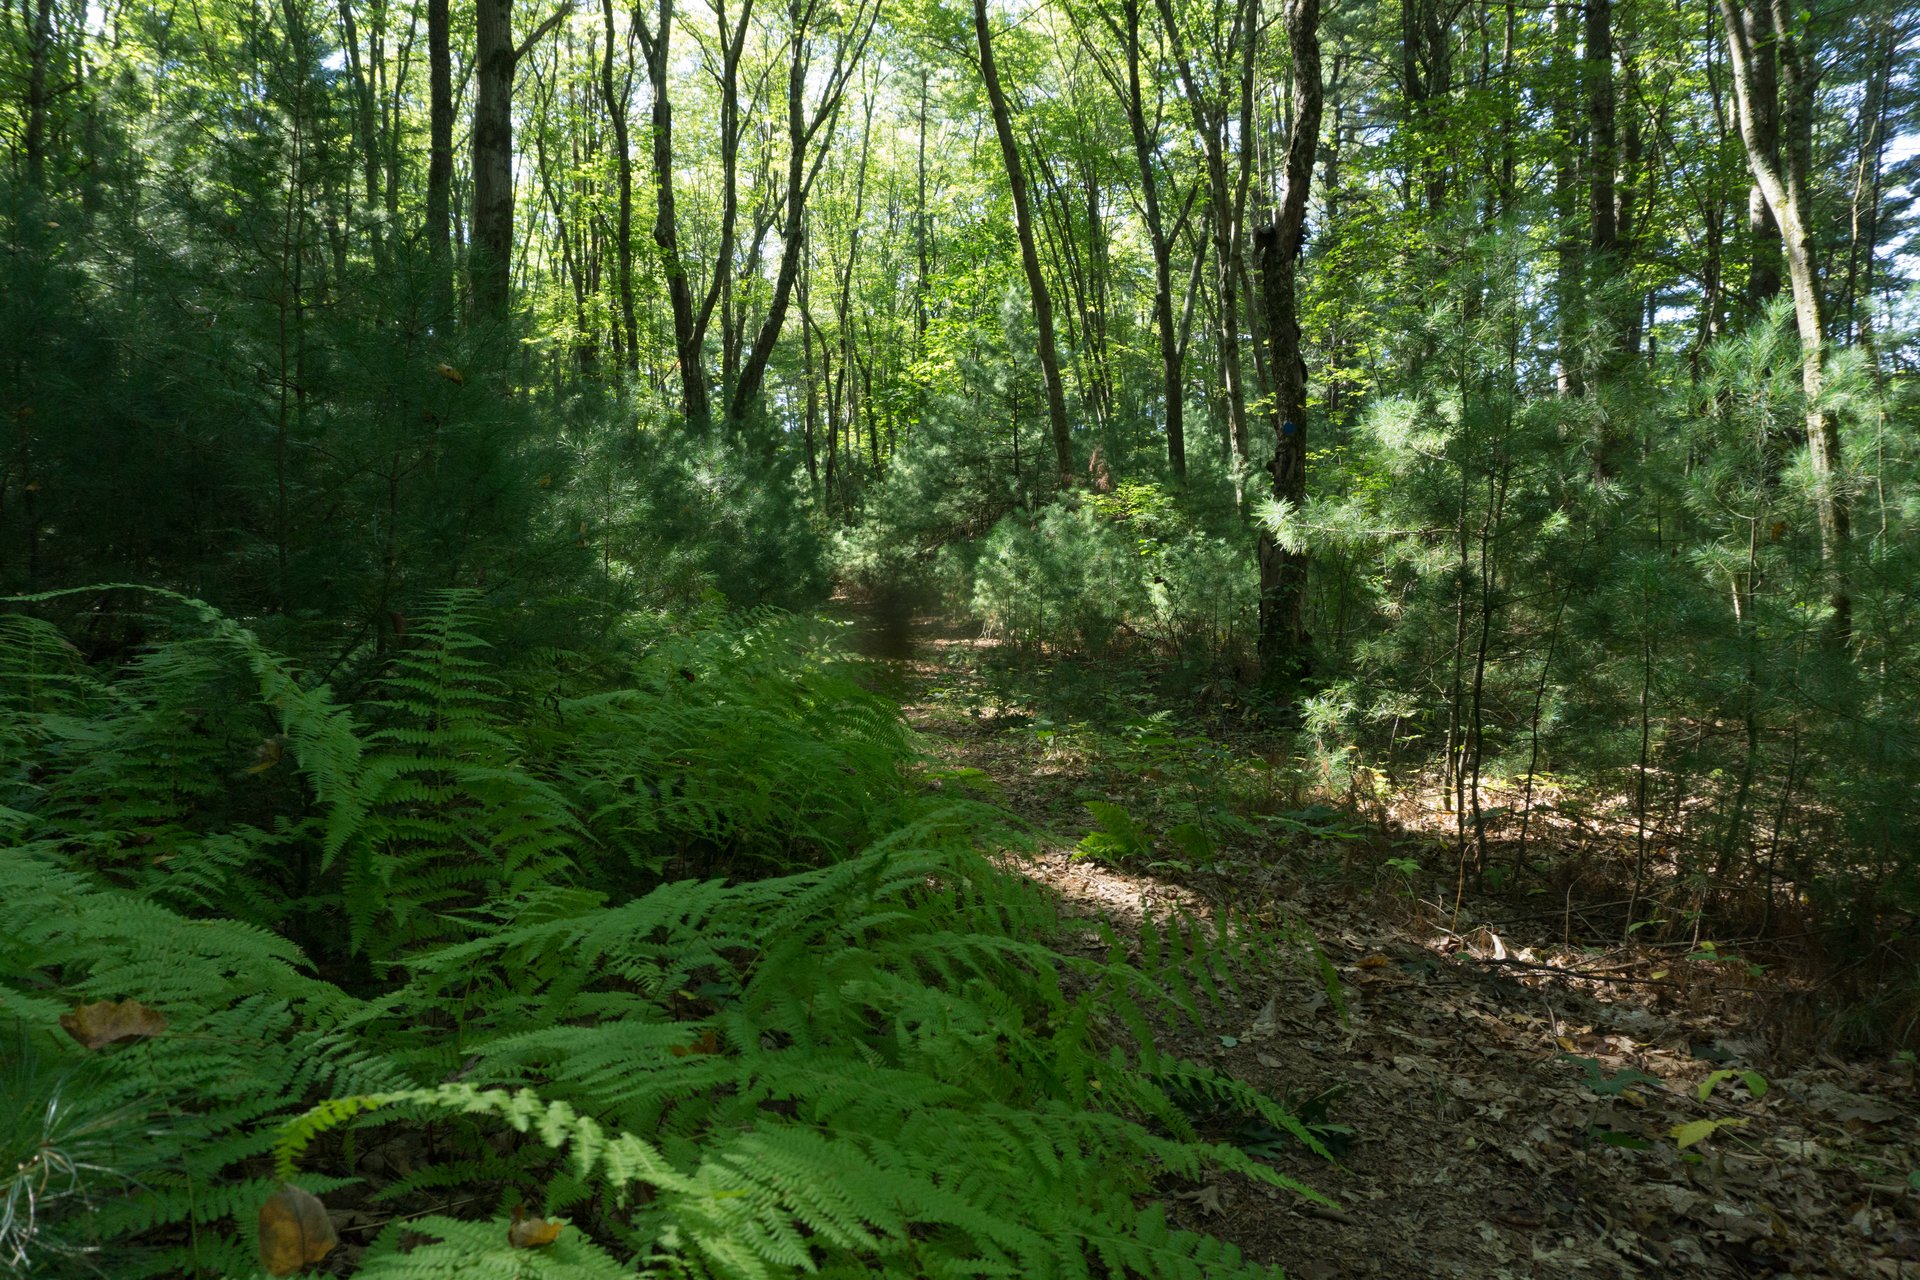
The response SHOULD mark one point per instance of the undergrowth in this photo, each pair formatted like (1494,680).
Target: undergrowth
(687,961)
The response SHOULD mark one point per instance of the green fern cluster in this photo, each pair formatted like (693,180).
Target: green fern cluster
(423,955)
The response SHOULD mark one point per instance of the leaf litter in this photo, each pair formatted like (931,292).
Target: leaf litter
(1517,1107)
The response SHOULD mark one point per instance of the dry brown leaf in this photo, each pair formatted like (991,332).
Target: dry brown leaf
(1207,1198)
(531,1233)
(102,1023)
(708,1042)
(295,1231)
(266,755)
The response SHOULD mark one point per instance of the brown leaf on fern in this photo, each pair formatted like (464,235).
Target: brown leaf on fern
(104,1022)
(530,1232)
(295,1231)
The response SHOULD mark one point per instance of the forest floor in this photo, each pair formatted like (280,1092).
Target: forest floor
(1503,1100)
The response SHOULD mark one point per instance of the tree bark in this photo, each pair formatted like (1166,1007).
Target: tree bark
(1757,97)
(1227,189)
(1029,253)
(617,96)
(491,252)
(1280,245)
(439,161)
(1782,181)
(39,58)
(495,60)
(655,45)
(802,133)
(1128,88)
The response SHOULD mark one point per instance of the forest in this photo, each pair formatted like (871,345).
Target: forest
(1048,638)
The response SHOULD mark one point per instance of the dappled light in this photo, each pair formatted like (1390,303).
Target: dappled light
(1082,639)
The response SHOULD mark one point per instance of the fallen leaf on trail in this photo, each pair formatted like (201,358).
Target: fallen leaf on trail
(1686,1135)
(295,1231)
(1207,1198)
(531,1233)
(1755,1082)
(100,1024)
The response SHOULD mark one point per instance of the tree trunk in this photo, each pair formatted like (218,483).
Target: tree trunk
(1280,244)
(1227,189)
(802,132)
(439,162)
(1146,146)
(655,45)
(1757,95)
(39,56)
(491,252)
(617,98)
(1029,254)
(1783,183)
(1569,287)
(490,258)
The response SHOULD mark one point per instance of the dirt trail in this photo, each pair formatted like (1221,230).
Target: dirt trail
(1515,1106)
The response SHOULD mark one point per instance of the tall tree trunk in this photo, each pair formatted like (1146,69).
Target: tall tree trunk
(1603,239)
(1757,99)
(1128,87)
(655,45)
(439,161)
(803,131)
(1280,244)
(491,252)
(1227,187)
(39,94)
(1863,243)
(1029,254)
(1783,182)
(1569,286)
(617,97)
(495,60)
(720,285)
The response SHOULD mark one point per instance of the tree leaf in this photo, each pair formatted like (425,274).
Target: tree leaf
(295,1231)
(102,1023)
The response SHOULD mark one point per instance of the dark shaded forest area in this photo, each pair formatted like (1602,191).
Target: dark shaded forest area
(842,637)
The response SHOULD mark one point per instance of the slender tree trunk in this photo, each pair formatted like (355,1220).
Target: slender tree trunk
(1145,152)
(439,161)
(617,97)
(1785,186)
(920,233)
(1757,97)
(1856,299)
(1569,286)
(1029,254)
(1280,245)
(802,133)
(39,94)
(655,46)
(1227,187)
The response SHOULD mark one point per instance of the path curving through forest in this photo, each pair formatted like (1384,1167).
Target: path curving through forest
(1507,1106)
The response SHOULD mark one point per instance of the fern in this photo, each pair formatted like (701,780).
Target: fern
(868,1061)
